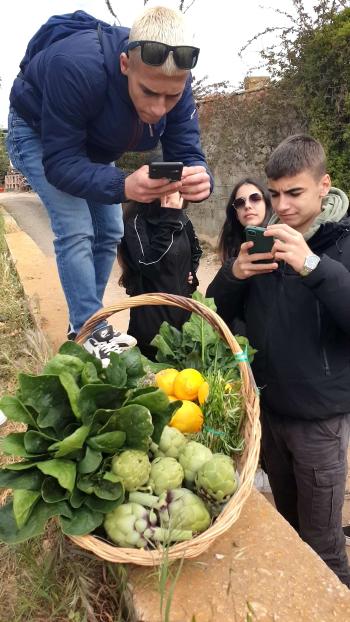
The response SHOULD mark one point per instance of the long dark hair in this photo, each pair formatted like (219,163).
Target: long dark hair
(232,233)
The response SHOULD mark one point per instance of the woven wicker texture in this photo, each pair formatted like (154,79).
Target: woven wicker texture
(247,463)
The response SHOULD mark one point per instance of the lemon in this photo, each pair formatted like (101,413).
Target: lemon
(203,392)
(165,380)
(188,418)
(187,383)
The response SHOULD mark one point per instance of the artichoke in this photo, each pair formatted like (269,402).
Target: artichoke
(133,467)
(191,458)
(166,473)
(182,509)
(216,481)
(131,525)
(179,510)
(171,442)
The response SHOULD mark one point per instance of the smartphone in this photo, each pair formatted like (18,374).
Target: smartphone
(261,244)
(167,170)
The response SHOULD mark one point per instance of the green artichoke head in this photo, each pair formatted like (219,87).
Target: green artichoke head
(171,442)
(129,525)
(182,509)
(191,458)
(216,479)
(133,467)
(166,473)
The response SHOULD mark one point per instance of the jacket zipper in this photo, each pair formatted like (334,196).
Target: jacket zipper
(136,135)
(323,349)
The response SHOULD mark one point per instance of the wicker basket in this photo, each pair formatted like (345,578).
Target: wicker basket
(247,463)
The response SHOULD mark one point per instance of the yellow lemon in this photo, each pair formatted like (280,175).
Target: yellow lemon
(188,418)
(187,383)
(165,380)
(203,392)
(172,398)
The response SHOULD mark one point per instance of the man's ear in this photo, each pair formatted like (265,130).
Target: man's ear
(124,63)
(325,185)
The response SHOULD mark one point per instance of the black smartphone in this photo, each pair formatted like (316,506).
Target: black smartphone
(261,243)
(167,170)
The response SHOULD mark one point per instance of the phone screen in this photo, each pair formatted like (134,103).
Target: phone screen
(167,170)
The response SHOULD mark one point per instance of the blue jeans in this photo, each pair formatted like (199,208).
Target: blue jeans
(86,233)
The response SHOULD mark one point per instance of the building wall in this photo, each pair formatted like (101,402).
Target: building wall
(238,133)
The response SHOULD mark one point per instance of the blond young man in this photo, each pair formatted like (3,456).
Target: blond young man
(88,92)
(296,309)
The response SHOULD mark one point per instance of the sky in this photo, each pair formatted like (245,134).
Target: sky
(221,27)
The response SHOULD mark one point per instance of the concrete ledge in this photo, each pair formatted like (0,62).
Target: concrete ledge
(259,570)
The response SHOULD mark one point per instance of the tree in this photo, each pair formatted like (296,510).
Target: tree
(310,67)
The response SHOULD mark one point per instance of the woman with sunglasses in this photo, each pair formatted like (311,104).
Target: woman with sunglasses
(249,204)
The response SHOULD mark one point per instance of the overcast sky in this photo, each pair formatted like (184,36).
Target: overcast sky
(221,27)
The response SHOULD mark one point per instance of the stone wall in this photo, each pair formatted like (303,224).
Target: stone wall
(239,131)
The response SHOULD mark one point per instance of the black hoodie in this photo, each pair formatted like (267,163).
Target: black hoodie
(160,249)
(300,327)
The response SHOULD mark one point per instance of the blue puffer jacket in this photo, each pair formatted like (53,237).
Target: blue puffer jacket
(74,95)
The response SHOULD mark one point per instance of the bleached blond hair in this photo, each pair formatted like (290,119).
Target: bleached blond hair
(164,25)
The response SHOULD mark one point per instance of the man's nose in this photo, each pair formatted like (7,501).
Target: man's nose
(159,108)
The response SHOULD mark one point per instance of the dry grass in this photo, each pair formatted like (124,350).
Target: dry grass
(46,579)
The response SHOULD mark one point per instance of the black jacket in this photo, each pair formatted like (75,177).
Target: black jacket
(160,249)
(300,327)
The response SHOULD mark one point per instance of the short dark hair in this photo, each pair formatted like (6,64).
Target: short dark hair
(232,233)
(296,154)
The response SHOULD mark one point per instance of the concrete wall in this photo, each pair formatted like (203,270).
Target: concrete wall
(238,131)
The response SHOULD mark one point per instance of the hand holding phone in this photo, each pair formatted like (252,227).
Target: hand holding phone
(261,243)
(166,170)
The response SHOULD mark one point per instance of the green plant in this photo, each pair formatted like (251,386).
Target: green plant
(77,416)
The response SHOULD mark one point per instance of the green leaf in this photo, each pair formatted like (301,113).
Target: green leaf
(70,443)
(48,398)
(36,442)
(116,371)
(133,362)
(64,363)
(35,525)
(13,445)
(89,374)
(160,420)
(90,462)
(136,422)
(83,521)
(77,498)
(14,410)
(30,479)
(52,492)
(99,420)
(110,491)
(154,399)
(73,349)
(63,470)
(72,390)
(23,504)
(109,442)
(102,505)
(86,483)
(95,396)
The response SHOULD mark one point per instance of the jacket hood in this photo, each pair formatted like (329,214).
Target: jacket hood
(334,207)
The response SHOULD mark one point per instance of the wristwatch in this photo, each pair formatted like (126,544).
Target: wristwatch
(311,262)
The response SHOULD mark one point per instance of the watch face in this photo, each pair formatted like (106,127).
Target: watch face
(311,262)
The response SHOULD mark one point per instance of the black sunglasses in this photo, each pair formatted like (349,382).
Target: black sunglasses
(240,203)
(155,53)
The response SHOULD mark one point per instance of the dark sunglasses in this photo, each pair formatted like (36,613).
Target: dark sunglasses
(240,203)
(155,54)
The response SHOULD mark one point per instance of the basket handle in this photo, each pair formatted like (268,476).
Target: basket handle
(172,300)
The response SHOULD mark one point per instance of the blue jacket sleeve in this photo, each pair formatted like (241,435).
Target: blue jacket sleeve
(65,115)
(181,138)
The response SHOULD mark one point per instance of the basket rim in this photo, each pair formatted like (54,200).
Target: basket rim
(249,459)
